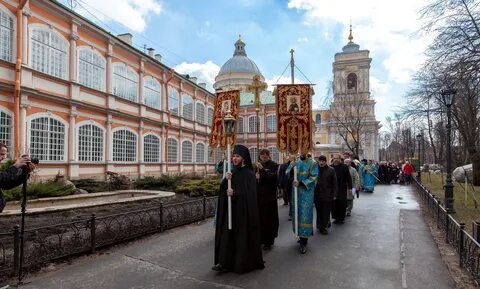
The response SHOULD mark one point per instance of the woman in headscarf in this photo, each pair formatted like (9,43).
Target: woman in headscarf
(239,249)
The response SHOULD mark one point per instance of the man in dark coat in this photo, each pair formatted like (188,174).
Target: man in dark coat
(325,192)
(344,183)
(267,198)
(239,249)
(284,183)
(14,175)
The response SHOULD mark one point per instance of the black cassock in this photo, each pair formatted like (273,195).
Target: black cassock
(267,202)
(239,249)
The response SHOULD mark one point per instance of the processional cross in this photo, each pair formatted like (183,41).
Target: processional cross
(256,87)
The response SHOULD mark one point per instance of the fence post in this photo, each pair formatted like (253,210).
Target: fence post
(204,207)
(447,224)
(92,233)
(16,248)
(438,213)
(475,231)
(461,245)
(161,216)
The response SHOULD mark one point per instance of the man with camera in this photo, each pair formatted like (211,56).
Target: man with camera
(13,175)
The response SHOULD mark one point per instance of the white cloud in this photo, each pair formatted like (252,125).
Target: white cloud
(302,39)
(204,31)
(384,27)
(130,13)
(205,72)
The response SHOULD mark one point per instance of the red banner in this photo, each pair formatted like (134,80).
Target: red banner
(226,100)
(294,114)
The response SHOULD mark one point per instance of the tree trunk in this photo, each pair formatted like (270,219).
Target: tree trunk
(475,157)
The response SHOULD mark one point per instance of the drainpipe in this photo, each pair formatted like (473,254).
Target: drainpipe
(172,73)
(18,70)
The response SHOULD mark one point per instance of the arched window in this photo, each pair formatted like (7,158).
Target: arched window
(271,123)
(274,154)
(90,143)
(124,146)
(49,52)
(252,123)
(187,106)
(240,125)
(352,81)
(152,92)
(172,150)
(7,36)
(151,149)
(200,113)
(318,119)
(210,116)
(47,139)
(125,82)
(6,130)
(200,153)
(187,155)
(253,154)
(91,69)
(173,98)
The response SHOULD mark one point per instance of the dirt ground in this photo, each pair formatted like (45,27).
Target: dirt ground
(461,276)
(39,220)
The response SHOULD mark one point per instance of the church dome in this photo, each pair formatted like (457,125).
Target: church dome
(238,70)
(351,46)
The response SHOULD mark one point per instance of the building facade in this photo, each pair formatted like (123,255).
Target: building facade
(85,102)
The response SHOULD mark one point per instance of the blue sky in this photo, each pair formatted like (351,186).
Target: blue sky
(197,37)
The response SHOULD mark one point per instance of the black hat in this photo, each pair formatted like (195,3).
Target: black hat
(322,158)
(244,153)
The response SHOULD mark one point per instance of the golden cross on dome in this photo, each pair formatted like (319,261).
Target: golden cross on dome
(256,87)
(350,37)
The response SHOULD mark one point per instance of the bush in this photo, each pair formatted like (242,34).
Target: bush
(40,190)
(199,187)
(91,185)
(162,183)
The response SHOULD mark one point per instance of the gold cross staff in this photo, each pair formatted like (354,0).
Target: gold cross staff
(256,87)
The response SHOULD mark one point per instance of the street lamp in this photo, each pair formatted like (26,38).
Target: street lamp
(448,96)
(419,172)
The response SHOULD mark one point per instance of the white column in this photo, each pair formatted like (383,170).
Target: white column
(140,149)
(163,144)
(73,53)
(26,13)
(109,68)
(141,73)
(23,128)
(72,147)
(109,144)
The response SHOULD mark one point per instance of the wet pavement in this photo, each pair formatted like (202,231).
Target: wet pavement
(384,244)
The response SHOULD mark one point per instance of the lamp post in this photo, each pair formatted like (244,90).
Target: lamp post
(228,128)
(419,171)
(448,96)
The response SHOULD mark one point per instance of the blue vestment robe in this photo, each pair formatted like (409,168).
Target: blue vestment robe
(307,172)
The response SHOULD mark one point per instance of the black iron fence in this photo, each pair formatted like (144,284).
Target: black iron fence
(50,243)
(466,246)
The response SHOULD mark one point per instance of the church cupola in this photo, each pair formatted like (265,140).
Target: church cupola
(240,47)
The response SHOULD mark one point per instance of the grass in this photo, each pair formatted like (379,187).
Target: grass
(464,211)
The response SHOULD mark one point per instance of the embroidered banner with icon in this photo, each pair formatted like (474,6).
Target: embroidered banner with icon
(294,114)
(225,101)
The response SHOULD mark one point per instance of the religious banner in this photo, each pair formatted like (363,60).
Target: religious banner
(294,114)
(225,101)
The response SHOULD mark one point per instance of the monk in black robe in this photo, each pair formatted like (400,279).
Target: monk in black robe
(267,198)
(239,249)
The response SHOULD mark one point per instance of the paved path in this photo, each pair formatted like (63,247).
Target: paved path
(385,244)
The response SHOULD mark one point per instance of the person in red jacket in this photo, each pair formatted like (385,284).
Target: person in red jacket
(407,172)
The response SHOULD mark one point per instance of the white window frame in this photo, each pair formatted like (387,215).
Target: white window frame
(277,159)
(270,116)
(94,52)
(10,140)
(168,160)
(210,117)
(188,100)
(241,128)
(32,28)
(65,137)
(13,52)
(124,128)
(197,151)
(159,152)
(173,90)
(191,152)
(251,150)
(115,84)
(210,155)
(77,131)
(198,116)
(153,93)
(250,130)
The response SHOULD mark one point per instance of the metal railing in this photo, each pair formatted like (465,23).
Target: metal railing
(466,246)
(54,242)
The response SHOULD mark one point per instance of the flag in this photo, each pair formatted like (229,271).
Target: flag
(294,114)
(226,100)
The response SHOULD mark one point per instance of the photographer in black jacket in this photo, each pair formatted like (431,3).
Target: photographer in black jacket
(13,175)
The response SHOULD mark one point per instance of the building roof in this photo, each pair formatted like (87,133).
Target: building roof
(239,63)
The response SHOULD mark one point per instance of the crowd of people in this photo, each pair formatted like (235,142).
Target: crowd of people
(329,188)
